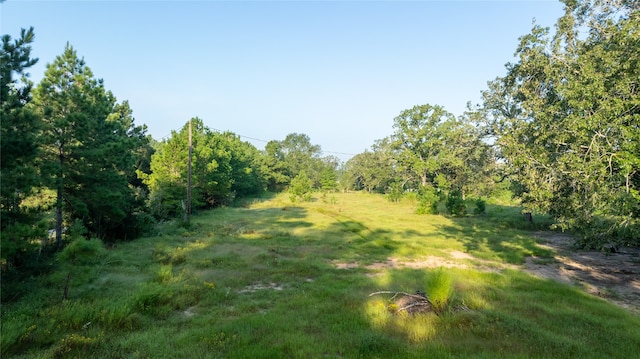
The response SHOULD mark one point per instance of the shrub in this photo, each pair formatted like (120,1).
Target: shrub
(427,200)
(481,207)
(301,187)
(455,203)
(395,192)
(82,252)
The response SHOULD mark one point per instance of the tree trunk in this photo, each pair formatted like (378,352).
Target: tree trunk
(60,189)
(65,292)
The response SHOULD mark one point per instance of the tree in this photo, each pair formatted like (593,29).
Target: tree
(299,154)
(247,178)
(372,171)
(419,140)
(19,126)
(89,147)
(567,119)
(222,167)
(432,147)
(285,159)
(274,168)
(328,179)
(19,176)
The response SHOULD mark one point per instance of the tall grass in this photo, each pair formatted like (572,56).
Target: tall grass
(439,287)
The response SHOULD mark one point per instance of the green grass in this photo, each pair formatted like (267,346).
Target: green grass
(262,282)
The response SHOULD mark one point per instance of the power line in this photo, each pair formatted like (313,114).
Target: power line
(257,139)
(264,141)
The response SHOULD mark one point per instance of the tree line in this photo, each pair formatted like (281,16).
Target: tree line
(561,129)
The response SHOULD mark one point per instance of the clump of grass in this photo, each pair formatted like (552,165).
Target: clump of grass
(164,274)
(166,255)
(439,289)
(74,345)
(152,298)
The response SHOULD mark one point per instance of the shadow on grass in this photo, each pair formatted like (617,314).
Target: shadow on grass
(507,314)
(261,282)
(487,241)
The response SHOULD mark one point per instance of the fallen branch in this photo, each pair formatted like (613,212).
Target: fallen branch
(410,303)
(395,294)
(425,302)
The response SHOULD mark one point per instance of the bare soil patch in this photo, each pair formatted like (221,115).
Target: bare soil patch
(261,286)
(425,262)
(612,276)
(458,260)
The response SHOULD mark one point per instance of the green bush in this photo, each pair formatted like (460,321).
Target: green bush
(395,192)
(481,207)
(301,187)
(168,255)
(82,251)
(455,204)
(428,200)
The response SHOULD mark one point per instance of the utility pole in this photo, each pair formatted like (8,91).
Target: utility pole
(188,209)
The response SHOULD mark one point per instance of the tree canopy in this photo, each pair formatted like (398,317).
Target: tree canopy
(90,148)
(19,151)
(223,167)
(567,119)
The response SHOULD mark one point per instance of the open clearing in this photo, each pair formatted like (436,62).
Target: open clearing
(279,279)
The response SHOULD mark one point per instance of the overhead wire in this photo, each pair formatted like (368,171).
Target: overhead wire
(264,141)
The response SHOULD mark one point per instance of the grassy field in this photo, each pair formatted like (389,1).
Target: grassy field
(277,279)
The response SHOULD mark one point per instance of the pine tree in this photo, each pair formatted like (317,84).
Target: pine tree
(90,144)
(19,151)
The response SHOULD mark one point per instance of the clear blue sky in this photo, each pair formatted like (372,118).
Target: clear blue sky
(337,71)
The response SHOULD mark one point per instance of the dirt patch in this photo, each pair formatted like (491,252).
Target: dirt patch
(458,260)
(261,286)
(394,263)
(189,312)
(426,262)
(612,276)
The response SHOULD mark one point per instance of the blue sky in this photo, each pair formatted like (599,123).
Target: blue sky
(337,71)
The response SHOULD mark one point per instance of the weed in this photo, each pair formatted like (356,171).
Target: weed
(152,298)
(74,345)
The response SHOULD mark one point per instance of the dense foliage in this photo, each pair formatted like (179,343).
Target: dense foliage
(431,153)
(285,159)
(223,167)
(435,148)
(90,149)
(561,129)
(20,151)
(567,120)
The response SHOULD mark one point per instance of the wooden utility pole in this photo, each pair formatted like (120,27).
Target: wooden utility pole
(189,176)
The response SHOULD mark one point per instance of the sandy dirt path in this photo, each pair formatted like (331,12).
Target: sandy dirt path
(612,276)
